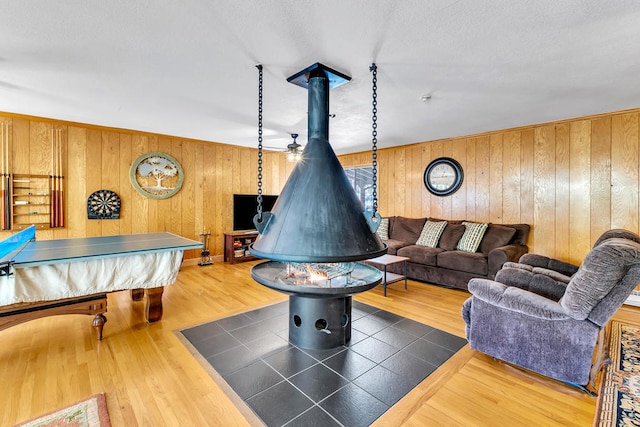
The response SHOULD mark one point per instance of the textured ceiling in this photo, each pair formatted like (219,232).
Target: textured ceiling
(187,68)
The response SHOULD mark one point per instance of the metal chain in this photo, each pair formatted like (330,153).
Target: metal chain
(374,135)
(259,67)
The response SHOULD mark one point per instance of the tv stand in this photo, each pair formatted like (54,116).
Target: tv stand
(236,246)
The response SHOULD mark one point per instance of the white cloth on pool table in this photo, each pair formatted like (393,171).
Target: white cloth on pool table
(82,278)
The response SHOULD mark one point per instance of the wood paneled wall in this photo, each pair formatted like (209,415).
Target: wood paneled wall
(100,158)
(570,180)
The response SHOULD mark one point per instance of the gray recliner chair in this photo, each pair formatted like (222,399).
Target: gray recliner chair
(552,328)
(555,268)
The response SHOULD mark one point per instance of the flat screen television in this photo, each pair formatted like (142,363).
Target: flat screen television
(245,207)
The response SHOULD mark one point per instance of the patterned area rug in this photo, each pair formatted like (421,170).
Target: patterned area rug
(619,397)
(91,412)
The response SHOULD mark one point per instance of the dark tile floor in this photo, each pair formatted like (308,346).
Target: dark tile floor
(350,385)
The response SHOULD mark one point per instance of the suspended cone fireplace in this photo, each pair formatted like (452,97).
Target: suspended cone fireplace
(317,231)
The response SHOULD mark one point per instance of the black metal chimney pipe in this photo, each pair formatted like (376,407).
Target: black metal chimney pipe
(318,112)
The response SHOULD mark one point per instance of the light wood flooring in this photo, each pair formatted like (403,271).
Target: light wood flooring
(151,379)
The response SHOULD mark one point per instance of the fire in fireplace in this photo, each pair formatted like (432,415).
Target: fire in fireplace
(322,275)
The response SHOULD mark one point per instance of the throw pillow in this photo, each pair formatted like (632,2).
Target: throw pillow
(383,229)
(451,236)
(495,237)
(431,233)
(407,229)
(473,234)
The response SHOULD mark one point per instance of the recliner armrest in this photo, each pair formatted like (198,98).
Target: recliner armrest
(537,260)
(521,266)
(553,274)
(516,299)
(558,277)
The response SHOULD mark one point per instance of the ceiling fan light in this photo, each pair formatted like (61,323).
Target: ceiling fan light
(291,156)
(294,150)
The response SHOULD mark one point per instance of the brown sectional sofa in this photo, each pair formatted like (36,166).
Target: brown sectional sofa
(444,265)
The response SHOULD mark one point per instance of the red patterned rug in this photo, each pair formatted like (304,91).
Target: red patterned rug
(619,396)
(91,412)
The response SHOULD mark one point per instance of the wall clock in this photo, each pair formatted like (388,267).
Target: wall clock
(156,175)
(103,204)
(443,176)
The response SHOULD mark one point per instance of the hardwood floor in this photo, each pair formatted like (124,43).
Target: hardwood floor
(151,379)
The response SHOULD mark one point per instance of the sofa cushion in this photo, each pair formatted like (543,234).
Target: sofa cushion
(407,229)
(420,254)
(450,236)
(394,245)
(431,233)
(473,233)
(496,236)
(470,262)
(449,221)
(522,232)
(383,229)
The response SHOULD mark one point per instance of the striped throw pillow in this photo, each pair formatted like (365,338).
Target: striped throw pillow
(383,229)
(431,233)
(473,234)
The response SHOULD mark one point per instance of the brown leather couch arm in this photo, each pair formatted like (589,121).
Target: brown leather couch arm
(498,256)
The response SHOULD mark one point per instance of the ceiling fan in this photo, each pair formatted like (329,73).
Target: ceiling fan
(293,150)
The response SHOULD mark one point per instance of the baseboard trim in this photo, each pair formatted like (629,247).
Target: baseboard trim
(634,299)
(196,261)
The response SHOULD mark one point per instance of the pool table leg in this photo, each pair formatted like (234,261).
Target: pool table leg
(98,323)
(153,305)
(137,294)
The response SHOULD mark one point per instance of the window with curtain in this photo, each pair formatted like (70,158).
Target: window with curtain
(361,179)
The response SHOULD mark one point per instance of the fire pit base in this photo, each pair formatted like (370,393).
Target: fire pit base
(319,323)
(319,316)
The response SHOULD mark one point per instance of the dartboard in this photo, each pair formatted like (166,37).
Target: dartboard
(103,204)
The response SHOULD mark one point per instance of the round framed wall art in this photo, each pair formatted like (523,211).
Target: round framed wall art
(156,175)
